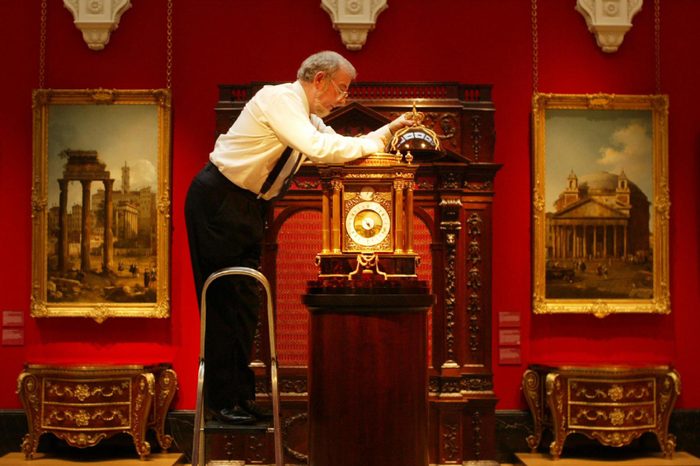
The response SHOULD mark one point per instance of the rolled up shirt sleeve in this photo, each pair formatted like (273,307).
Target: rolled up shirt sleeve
(317,141)
(278,117)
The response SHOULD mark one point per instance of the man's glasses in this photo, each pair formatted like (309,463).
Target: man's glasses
(342,95)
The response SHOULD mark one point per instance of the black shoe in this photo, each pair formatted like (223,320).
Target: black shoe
(260,414)
(235,415)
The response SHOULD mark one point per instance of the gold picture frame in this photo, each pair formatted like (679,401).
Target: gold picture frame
(600,204)
(109,150)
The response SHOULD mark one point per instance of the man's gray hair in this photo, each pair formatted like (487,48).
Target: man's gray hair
(326,61)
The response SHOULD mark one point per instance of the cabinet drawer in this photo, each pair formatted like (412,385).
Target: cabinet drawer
(637,390)
(58,390)
(614,416)
(86,417)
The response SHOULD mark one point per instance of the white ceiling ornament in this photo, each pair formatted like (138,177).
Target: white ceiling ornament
(97,19)
(354,19)
(609,20)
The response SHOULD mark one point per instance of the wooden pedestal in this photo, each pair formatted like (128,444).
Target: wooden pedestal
(367,384)
(613,405)
(86,404)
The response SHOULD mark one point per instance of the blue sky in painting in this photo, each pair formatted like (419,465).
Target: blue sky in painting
(119,134)
(590,141)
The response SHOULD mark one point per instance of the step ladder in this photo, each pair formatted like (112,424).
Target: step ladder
(201,427)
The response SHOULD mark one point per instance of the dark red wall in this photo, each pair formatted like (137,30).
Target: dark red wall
(479,41)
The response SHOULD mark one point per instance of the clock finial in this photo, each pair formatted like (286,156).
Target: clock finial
(415,115)
(416,138)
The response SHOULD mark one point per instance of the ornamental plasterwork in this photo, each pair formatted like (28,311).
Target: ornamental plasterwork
(354,19)
(608,20)
(96,19)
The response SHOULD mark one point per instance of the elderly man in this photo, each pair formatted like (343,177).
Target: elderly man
(252,164)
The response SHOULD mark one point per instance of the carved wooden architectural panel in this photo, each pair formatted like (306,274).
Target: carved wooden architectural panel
(452,212)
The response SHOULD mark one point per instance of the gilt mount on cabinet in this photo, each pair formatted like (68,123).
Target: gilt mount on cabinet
(452,218)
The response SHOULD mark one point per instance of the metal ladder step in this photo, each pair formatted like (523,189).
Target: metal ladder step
(219,427)
(214,427)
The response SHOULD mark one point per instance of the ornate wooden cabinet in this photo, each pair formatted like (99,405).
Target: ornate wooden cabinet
(613,405)
(452,227)
(85,404)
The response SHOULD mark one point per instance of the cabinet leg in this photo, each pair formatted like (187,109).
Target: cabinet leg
(556,447)
(29,445)
(166,386)
(532,389)
(533,440)
(668,444)
(143,448)
(164,441)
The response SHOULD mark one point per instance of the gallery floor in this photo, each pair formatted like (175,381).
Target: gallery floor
(117,455)
(102,458)
(621,459)
(85,457)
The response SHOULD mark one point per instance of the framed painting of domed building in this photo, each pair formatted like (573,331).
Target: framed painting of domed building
(600,204)
(101,203)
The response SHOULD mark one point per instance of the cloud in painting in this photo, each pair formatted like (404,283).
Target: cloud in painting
(142,174)
(629,150)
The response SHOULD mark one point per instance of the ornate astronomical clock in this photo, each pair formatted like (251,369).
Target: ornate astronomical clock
(367,209)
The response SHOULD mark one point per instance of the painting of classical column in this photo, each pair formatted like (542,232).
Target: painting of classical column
(101,230)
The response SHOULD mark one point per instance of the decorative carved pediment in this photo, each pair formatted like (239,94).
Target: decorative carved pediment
(355,118)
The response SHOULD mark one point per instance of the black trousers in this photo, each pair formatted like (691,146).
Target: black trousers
(225,226)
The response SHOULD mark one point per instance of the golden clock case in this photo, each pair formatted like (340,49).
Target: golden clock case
(367,207)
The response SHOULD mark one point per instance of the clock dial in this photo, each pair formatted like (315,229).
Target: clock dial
(367,223)
(367,193)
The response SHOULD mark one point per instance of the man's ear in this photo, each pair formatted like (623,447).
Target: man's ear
(318,78)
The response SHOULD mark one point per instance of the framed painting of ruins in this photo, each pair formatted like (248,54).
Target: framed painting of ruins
(101,203)
(600,204)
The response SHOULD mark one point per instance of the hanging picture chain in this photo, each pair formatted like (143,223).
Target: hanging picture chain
(657,44)
(169,51)
(535,48)
(42,46)
(169,42)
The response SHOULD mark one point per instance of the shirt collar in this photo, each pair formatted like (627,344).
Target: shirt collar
(298,89)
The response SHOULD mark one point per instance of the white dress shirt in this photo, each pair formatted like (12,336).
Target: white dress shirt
(277,117)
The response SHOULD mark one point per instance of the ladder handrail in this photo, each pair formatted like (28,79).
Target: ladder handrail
(198,441)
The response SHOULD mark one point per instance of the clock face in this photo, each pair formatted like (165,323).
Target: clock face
(367,224)
(367,217)
(367,193)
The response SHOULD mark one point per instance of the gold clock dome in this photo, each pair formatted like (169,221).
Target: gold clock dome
(415,139)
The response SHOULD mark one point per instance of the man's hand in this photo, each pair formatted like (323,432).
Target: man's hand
(401,121)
